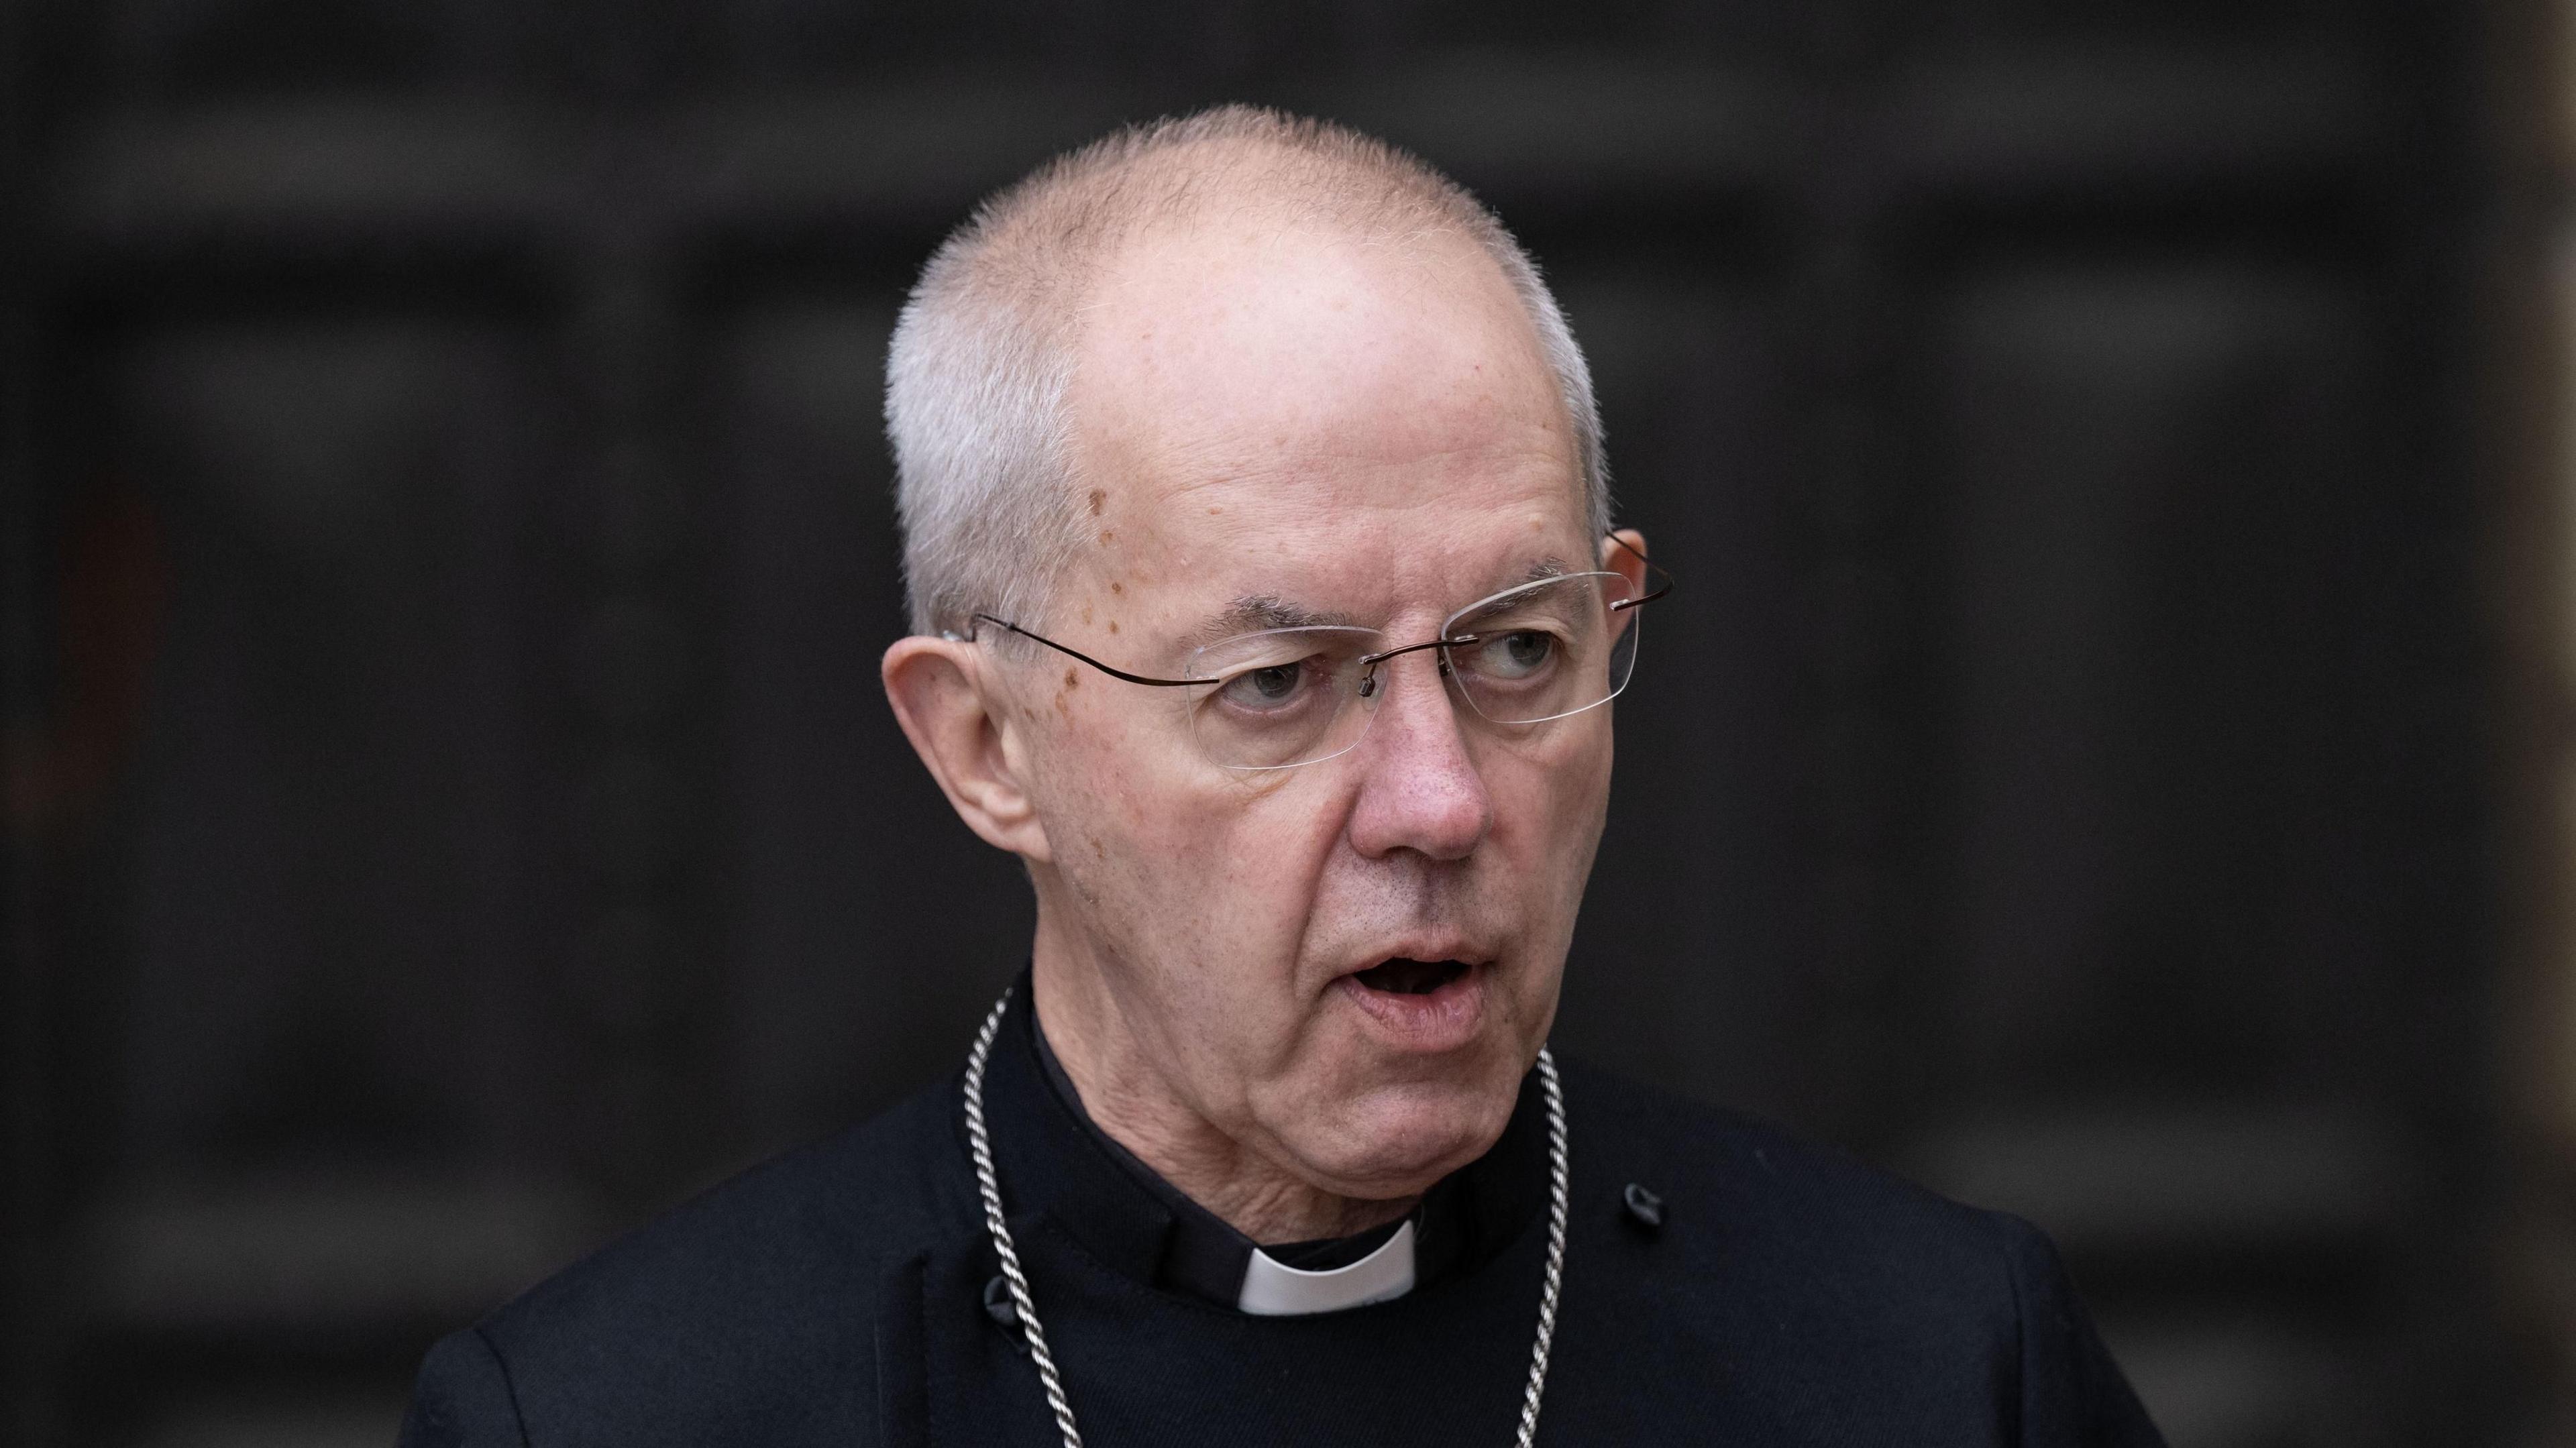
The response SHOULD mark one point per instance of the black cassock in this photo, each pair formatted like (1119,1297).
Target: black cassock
(838,1295)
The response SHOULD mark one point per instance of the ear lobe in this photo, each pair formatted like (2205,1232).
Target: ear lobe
(967,737)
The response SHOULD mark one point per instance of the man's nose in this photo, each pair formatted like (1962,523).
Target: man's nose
(1419,788)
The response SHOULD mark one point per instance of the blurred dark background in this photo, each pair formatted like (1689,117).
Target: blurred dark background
(2109,756)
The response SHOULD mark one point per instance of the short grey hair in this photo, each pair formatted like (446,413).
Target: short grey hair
(982,358)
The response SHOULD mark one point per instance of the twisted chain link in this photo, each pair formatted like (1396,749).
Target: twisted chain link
(1559,1190)
(988,1182)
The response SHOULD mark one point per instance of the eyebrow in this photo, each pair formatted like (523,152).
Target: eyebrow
(1255,613)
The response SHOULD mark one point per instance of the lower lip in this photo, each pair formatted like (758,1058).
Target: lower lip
(1440,1020)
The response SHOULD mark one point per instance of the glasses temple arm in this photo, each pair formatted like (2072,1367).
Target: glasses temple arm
(1086,658)
(1621,605)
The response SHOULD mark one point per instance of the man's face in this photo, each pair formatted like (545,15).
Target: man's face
(1365,432)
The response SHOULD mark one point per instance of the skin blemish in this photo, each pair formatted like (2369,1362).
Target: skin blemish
(1099,496)
(1116,587)
(1086,608)
(1113,625)
(1108,537)
(1212,512)
(1072,681)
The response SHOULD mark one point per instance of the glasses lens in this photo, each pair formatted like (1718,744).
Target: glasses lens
(1542,652)
(1285,696)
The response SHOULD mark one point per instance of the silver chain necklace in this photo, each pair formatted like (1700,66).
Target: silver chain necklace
(989,1182)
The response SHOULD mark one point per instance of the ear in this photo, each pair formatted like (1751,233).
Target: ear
(1629,562)
(968,737)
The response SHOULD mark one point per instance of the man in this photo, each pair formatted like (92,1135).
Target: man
(1267,608)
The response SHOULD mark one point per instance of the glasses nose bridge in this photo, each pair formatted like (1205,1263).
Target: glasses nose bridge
(1376,684)
(1371,681)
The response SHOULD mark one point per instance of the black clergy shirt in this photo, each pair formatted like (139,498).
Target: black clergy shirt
(837,1295)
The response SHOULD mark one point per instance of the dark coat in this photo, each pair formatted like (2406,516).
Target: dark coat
(836,1296)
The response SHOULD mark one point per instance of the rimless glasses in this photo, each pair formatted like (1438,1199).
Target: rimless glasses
(1277,698)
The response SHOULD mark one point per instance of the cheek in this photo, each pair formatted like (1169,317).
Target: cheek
(1262,847)
(1123,812)
(1551,793)
(1093,790)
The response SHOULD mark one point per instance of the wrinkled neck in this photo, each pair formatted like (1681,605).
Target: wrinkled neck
(1129,1098)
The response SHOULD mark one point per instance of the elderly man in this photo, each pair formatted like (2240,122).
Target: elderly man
(1267,608)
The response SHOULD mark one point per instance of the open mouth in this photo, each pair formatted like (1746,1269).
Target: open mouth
(1411,977)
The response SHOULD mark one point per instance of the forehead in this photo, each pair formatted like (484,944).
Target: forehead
(1295,393)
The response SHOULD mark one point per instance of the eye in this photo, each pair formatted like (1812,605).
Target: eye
(1515,655)
(1269,687)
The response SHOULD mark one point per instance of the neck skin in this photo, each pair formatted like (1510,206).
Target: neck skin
(1127,1098)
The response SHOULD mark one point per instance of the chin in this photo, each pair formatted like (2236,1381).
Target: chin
(1397,1140)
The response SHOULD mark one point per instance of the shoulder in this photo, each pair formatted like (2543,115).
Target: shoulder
(1832,1291)
(754,1300)
(1752,1197)
(798,1227)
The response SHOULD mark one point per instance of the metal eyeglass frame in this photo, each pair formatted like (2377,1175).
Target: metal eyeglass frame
(1368,662)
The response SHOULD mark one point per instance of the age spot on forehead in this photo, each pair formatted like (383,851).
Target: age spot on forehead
(1108,537)
(1116,587)
(1098,497)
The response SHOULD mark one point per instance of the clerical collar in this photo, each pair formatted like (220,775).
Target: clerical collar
(1123,1211)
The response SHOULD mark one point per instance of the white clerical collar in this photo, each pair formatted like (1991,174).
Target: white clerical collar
(1272,1289)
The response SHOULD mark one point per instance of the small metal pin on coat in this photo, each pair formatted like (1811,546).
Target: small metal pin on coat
(1644,1207)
